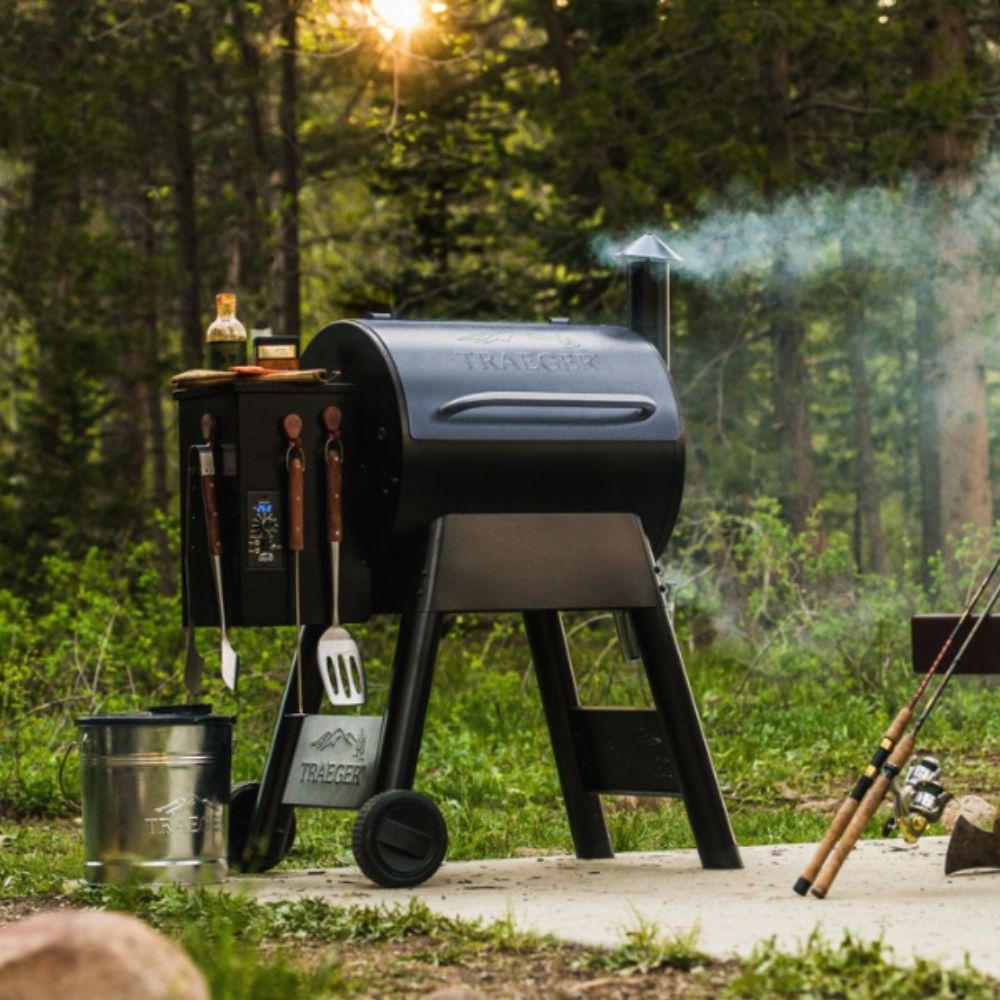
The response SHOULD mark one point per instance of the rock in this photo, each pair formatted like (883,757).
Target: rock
(456,993)
(819,805)
(630,803)
(787,792)
(973,807)
(87,953)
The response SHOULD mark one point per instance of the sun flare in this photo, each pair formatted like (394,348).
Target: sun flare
(391,16)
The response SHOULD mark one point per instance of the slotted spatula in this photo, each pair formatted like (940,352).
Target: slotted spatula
(339,659)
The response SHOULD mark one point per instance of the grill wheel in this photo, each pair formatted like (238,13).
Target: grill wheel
(400,838)
(242,800)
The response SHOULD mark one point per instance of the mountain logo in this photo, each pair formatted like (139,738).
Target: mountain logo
(182,801)
(330,739)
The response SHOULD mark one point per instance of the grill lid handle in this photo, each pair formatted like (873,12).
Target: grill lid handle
(643,405)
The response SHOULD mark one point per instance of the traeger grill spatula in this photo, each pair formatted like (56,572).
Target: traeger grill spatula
(337,654)
(206,464)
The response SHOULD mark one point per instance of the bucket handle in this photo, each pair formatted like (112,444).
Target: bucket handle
(66,751)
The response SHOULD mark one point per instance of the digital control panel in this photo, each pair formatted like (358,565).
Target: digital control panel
(265,530)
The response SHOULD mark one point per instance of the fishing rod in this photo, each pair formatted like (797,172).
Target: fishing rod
(897,760)
(889,740)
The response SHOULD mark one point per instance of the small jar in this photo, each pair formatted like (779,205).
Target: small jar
(226,338)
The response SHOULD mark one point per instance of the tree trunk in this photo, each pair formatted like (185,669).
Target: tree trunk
(192,349)
(869,521)
(560,52)
(963,437)
(790,378)
(289,174)
(928,456)
(953,382)
(257,193)
(157,434)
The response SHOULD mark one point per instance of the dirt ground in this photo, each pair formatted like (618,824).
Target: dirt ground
(420,965)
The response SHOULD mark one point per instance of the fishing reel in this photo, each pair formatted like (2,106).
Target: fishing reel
(920,800)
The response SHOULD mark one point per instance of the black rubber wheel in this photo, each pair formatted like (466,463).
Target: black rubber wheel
(242,799)
(400,838)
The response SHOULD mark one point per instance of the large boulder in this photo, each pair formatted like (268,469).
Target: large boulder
(74,954)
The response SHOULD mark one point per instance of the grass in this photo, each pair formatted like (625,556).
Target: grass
(783,745)
(646,949)
(263,951)
(786,739)
(853,970)
(257,951)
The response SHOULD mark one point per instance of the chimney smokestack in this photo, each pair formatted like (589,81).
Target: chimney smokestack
(648,260)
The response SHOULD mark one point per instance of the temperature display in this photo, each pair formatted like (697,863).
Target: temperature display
(264,532)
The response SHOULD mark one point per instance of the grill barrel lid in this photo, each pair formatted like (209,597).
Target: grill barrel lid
(509,381)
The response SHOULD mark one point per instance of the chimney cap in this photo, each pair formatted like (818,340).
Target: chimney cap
(649,247)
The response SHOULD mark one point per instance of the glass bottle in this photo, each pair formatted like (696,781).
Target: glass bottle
(226,339)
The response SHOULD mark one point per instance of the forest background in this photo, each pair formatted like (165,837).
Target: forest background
(825,167)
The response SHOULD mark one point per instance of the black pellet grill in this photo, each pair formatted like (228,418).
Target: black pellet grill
(487,467)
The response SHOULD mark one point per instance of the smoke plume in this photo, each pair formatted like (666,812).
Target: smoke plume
(889,229)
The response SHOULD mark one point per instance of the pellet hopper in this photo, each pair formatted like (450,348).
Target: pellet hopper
(481,467)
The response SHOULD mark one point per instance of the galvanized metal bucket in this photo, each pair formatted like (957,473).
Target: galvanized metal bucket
(155,795)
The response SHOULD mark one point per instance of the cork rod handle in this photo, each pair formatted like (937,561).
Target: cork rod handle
(866,810)
(849,806)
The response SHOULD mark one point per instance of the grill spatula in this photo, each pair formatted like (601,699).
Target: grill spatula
(206,462)
(338,657)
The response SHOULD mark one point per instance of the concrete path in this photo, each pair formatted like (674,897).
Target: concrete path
(884,890)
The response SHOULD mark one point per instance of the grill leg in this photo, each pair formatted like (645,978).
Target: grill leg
(271,819)
(685,739)
(409,693)
(558,690)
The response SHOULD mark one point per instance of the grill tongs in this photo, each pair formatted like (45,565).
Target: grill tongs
(206,466)
(337,654)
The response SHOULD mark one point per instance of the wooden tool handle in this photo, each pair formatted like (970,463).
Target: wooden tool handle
(850,805)
(867,808)
(209,427)
(334,503)
(210,501)
(292,426)
(296,504)
(332,419)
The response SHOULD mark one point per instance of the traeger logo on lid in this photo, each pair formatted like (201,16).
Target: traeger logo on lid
(490,338)
(563,353)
